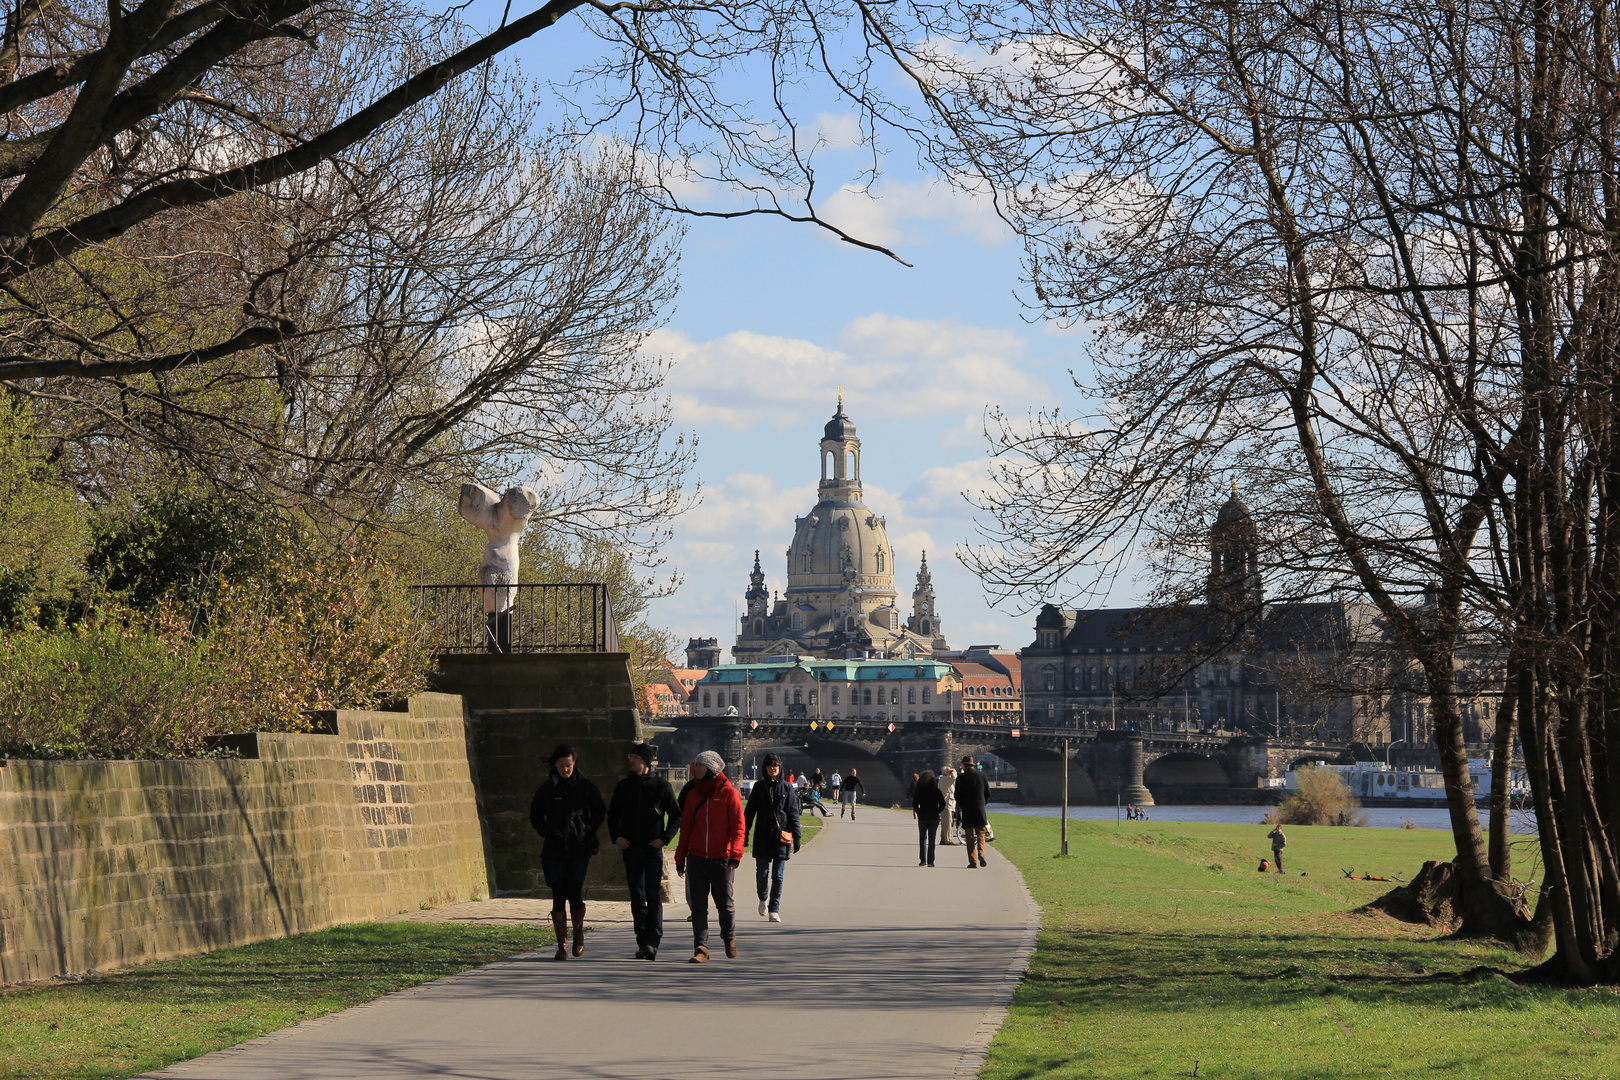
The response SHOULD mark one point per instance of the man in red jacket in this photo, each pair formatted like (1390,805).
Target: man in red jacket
(711,849)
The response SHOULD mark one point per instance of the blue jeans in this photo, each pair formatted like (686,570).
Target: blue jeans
(927,828)
(644,873)
(769,873)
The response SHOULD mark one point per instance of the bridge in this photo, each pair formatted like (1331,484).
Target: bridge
(1104,765)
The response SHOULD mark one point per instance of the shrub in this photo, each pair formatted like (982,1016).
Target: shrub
(305,631)
(1322,798)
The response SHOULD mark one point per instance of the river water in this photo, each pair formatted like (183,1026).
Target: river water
(1378,817)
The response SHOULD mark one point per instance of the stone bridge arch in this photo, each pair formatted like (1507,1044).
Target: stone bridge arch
(1185,776)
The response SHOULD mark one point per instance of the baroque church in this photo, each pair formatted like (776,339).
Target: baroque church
(840,601)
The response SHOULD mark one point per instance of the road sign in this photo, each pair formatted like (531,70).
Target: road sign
(814,725)
(1015,733)
(891,727)
(829,725)
(752,724)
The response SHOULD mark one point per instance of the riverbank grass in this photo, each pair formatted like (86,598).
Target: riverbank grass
(151,1016)
(1164,953)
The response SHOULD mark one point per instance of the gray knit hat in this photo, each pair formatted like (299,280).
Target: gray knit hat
(711,761)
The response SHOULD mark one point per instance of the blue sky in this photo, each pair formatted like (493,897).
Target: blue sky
(773,316)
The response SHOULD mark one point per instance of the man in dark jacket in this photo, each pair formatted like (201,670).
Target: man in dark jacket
(773,806)
(567,811)
(852,791)
(972,799)
(642,819)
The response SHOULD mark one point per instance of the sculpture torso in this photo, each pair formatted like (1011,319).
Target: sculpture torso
(503,519)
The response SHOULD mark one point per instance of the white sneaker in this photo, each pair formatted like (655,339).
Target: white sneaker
(776,916)
(762,906)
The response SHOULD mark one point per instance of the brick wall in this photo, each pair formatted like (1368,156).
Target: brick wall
(107,863)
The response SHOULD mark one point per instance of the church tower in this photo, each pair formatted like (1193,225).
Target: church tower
(924,623)
(1235,589)
(840,459)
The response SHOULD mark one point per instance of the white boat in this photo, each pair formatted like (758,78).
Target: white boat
(1376,780)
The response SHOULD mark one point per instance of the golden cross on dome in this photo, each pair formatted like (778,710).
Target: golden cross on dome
(840,393)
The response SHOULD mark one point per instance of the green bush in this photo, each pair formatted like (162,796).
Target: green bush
(104,692)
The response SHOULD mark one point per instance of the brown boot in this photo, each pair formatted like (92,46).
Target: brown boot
(731,947)
(579,931)
(559,923)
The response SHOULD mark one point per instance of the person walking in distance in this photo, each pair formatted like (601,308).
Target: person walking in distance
(972,798)
(947,817)
(773,815)
(1278,842)
(853,789)
(927,803)
(836,783)
(710,850)
(567,810)
(642,819)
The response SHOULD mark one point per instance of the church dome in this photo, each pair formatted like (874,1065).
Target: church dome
(1233,511)
(837,538)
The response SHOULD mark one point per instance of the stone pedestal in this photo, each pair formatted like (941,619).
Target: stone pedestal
(518,707)
(1119,767)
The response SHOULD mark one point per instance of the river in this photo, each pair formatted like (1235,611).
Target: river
(1378,817)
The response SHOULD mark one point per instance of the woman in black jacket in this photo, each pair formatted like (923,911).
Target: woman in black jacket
(927,803)
(567,811)
(773,806)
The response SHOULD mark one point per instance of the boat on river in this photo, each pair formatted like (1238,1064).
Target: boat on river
(1375,783)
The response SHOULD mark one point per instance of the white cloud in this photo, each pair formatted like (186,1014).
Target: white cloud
(938,492)
(889,213)
(893,366)
(839,131)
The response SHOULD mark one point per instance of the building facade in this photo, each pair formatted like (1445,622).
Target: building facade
(1325,670)
(901,691)
(992,684)
(840,601)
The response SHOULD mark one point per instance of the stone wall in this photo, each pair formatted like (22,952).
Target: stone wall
(107,863)
(519,706)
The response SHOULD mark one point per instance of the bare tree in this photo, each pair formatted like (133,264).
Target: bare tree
(469,299)
(1254,210)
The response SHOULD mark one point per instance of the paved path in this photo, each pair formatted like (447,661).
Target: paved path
(882,969)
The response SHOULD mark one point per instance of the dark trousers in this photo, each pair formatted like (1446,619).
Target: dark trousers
(1276,857)
(703,878)
(768,874)
(644,873)
(927,828)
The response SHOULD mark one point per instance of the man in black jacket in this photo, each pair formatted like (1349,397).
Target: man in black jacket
(853,790)
(642,819)
(972,800)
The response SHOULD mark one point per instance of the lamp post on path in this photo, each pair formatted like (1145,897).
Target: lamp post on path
(1065,814)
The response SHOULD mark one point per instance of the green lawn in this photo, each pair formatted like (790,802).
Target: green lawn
(151,1016)
(1162,952)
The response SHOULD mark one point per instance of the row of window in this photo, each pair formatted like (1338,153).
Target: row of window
(994,691)
(1095,677)
(856,696)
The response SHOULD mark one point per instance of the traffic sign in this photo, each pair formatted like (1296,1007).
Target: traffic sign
(829,725)
(814,725)
(1015,733)
(752,724)
(891,727)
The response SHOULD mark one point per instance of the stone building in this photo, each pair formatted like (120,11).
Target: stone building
(841,601)
(992,684)
(1328,670)
(900,691)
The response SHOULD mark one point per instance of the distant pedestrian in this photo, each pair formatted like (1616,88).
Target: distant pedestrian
(773,816)
(817,781)
(927,803)
(853,789)
(1278,842)
(710,850)
(567,810)
(947,819)
(643,817)
(837,783)
(972,799)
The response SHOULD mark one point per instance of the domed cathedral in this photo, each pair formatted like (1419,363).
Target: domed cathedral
(840,601)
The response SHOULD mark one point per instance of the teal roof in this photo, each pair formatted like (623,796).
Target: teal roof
(830,671)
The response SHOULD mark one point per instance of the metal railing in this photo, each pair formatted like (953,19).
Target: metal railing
(534,618)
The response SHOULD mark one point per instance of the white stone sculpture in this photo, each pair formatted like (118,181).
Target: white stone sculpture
(503,519)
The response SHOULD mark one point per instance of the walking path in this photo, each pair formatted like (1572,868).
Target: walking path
(881,970)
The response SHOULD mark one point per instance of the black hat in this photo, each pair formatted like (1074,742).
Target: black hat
(772,759)
(645,752)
